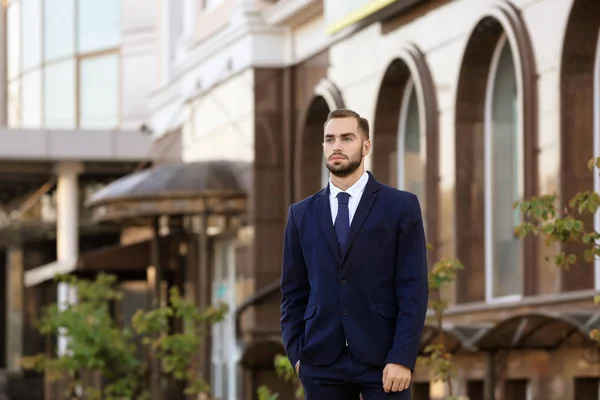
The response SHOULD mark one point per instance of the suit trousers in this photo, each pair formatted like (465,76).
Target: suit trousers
(346,379)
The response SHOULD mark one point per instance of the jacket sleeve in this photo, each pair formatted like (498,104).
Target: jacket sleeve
(294,290)
(412,286)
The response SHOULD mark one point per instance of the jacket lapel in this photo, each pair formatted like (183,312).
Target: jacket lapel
(324,211)
(364,206)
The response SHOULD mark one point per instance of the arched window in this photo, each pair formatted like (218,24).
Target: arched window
(496,159)
(412,154)
(311,173)
(405,136)
(503,177)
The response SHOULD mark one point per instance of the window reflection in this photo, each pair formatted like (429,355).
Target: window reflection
(99,91)
(31,107)
(412,164)
(59,29)
(505,165)
(13,20)
(59,95)
(99,24)
(32,34)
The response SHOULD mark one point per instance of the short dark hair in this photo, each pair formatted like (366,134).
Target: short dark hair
(363,124)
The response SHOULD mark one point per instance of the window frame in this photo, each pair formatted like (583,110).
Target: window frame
(488,177)
(76,56)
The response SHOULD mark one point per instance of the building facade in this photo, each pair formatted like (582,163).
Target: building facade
(473,104)
(74,77)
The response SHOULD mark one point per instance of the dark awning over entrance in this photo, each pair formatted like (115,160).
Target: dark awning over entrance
(540,331)
(217,187)
(456,337)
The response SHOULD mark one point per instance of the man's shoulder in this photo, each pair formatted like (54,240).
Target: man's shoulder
(398,195)
(307,202)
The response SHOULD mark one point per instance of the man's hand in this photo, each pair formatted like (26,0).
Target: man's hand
(395,378)
(297,367)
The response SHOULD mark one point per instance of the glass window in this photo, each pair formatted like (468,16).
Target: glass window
(59,95)
(59,29)
(99,24)
(504,168)
(412,164)
(31,106)
(99,92)
(14,104)
(32,36)
(13,17)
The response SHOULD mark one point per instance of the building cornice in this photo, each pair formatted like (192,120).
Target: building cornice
(284,10)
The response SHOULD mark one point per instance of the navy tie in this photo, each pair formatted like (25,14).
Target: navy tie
(342,220)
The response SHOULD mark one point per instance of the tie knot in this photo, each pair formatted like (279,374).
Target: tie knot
(343,197)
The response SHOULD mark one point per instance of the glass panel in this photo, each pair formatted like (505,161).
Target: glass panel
(99,85)
(59,29)
(32,36)
(14,104)
(32,100)
(225,381)
(99,24)
(414,151)
(507,277)
(59,95)
(13,17)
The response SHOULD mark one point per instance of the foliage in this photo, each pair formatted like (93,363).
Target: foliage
(436,355)
(286,372)
(97,345)
(561,225)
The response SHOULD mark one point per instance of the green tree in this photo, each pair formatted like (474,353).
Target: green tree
(97,345)
(284,371)
(437,356)
(545,216)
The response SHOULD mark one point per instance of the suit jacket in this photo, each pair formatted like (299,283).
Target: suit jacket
(374,295)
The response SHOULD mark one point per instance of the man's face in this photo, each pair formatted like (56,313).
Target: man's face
(344,146)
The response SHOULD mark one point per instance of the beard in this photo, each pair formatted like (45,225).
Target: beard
(343,170)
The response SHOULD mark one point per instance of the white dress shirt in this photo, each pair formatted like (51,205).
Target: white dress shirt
(355,191)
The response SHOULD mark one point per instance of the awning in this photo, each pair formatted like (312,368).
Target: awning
(540,331)
(123,260)
(216,187)
(456,337)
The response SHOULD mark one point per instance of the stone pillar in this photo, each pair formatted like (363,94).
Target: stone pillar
(190,16)
(14,308)
(67,228)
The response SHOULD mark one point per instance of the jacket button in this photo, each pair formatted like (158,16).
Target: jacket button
(345,312)
(344,282)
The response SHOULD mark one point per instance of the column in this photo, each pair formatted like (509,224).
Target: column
(67,228)
(190,16)
(165,41)
(14,308)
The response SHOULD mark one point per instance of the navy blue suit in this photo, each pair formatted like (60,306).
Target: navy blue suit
(364,306)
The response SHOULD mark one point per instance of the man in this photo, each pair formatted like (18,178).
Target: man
(354,277)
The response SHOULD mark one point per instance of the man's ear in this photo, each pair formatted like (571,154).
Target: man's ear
(366,147)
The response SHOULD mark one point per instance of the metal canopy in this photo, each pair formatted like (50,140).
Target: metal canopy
(457,338)
(216,187)
(540,331)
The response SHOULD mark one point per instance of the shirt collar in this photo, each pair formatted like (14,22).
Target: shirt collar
(354,190)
